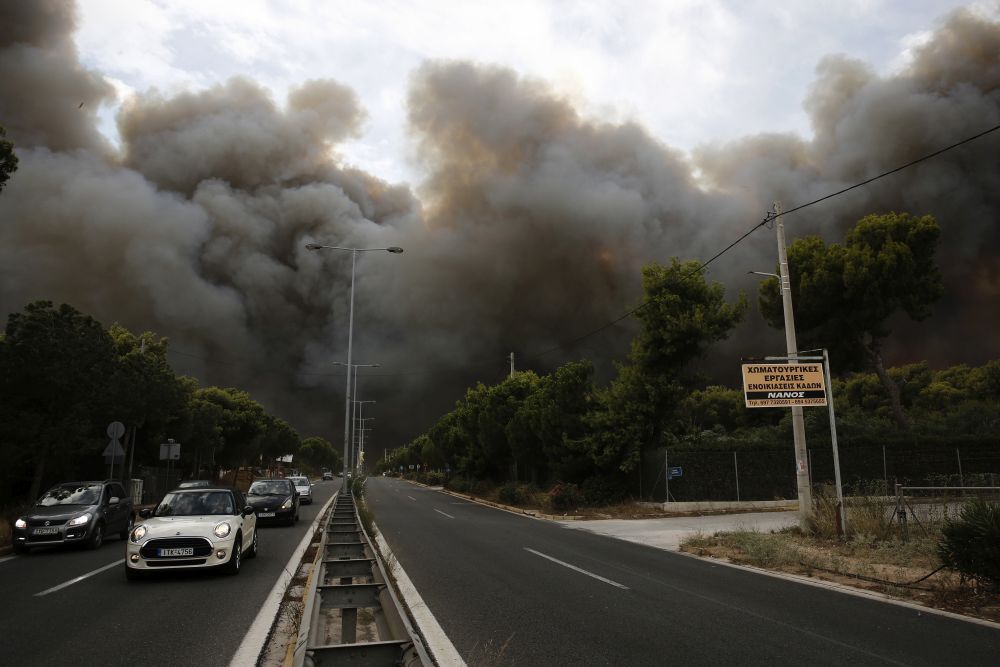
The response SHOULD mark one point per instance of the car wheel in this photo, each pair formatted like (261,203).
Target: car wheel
(252,551)
(128,528)
(97,537)
(233,566)
(131,574)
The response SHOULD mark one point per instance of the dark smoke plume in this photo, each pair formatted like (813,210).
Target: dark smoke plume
(528,231)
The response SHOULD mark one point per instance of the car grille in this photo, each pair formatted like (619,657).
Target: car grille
(174,562)
(37,523)
(200,545)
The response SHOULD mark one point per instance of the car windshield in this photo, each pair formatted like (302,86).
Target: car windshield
(194,503)
(278,487)
(298,481)
(71,494)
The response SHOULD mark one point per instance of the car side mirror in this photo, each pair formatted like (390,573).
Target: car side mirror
(145,513)
(114,500)
(248,510)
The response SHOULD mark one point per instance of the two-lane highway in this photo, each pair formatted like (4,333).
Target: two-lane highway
(74,607)
(507,589)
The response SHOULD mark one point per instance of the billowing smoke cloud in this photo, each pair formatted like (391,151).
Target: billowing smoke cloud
(529,230)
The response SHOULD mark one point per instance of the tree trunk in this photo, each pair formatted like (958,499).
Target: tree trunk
(874,349)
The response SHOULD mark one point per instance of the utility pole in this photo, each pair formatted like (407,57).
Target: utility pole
(512,364)
(798,424)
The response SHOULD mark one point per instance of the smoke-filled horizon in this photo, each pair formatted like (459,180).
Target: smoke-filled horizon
(530,229)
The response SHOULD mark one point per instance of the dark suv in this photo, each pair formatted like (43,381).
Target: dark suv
(75,513)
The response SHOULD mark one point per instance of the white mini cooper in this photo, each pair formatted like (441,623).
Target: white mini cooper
(193,529)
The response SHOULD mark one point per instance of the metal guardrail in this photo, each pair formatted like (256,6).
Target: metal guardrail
(352,615)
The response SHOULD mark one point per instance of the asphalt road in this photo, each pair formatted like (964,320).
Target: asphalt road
(172,619)
(504,589)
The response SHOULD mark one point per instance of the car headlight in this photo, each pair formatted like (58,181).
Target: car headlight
(287,504)
(222,530)
(79,521)
(20,523)
(138,533)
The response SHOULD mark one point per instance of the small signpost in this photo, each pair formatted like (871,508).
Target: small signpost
(795,380)
(170,451)
(114,449)
(676,472)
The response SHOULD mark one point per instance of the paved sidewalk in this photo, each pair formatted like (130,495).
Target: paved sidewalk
(667,533)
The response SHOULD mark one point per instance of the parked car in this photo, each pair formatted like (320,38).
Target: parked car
(274,501)
(75,513)
(304,487)
(195,528)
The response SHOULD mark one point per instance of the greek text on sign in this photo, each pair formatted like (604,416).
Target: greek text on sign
(783,385)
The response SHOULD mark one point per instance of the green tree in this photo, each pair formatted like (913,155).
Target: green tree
(242,427)
(682,316)
(844,295)
(56,367)
(8,159)
(319,453)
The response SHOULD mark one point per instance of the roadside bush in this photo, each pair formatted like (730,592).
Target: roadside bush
(458,484)
(433,478)
(563,497)
(481,488)
(971,543)
(513,494)
(600,491)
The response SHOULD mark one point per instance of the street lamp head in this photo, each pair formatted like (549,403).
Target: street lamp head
(313,246)
(396,250)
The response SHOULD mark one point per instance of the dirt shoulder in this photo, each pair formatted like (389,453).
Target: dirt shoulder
(905,571)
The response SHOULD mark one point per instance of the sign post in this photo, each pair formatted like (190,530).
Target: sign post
(170,451)
(114,449)
(796,380)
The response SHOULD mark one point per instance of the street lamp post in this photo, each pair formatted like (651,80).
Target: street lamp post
(350,336)
(353,393)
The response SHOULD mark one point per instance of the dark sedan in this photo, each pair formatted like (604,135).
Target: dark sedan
(274,501)
(75,513)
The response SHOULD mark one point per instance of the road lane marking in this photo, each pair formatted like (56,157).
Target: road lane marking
(77,580)
(578,569)
(411,497)
(445,513)
(7,558)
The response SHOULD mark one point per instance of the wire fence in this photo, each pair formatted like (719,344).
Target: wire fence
(769,474)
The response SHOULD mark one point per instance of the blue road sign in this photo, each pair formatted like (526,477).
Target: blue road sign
(676,472)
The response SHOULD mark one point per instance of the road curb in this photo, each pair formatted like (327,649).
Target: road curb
(250,649)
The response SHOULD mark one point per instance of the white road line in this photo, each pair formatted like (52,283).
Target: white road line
(411,497)
(77,580)
(445,513)
(580,570)
(7,558)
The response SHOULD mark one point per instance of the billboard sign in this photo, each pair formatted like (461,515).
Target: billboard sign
(779,385)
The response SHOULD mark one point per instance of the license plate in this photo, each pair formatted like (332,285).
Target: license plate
(45,531)
(188,551)
(266,515)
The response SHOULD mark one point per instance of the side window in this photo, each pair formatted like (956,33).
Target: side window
(119,491)
(238,502)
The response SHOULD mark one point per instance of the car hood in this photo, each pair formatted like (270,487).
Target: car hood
(58,512)
(269,502)
(188,526)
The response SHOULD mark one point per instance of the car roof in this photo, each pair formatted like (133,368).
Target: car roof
(202,489)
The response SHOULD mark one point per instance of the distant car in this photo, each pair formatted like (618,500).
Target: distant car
(75,513)
(195,484)
(193,529)
(304,487)
(274,501)
(327,475)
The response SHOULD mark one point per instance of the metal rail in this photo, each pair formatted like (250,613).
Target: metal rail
(352,615)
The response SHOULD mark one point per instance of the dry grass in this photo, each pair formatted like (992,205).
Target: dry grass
(888,566)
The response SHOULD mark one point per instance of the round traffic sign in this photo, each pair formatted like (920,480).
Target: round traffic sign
(116,430)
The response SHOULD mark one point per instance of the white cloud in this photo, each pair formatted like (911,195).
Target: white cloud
(691,71)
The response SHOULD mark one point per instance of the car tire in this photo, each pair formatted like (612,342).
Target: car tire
(252,551)
(128,528)
(131,574)
(233,566)
(97,537)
